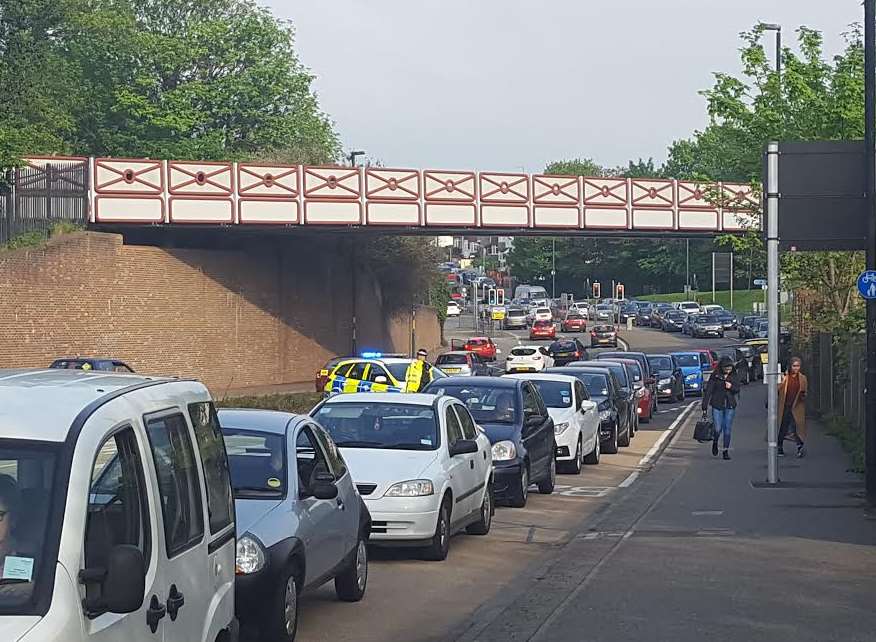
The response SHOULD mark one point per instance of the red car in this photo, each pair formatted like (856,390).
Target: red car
(481,346)
(543,330)
(574,322)
(645,402)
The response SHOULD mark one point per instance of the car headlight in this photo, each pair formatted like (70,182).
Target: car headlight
(250,556)
(691,377)
(604,415)
(664,382)
(412,488)
(561,428)
(504,451)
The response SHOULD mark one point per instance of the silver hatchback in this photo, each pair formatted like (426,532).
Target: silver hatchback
(300,519)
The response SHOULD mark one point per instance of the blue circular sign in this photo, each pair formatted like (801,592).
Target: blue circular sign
(867,284)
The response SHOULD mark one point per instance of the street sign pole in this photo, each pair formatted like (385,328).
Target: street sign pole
(870,155)
(772,293)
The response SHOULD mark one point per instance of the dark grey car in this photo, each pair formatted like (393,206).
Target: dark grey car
(300,520)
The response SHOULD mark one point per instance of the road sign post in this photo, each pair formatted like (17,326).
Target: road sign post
(772,294)
(870,211)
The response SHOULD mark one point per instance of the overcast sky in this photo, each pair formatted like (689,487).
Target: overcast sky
(511,85)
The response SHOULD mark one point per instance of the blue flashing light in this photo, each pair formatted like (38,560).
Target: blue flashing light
(372,355)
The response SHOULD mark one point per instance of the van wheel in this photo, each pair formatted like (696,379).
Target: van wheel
(440,546)
(351,582)
(282,620)
(482,526)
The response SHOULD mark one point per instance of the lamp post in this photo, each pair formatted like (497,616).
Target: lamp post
(766,26)
(353,155)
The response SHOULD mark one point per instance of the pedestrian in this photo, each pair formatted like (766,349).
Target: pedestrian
(720,392)
(792,407)
(419,373)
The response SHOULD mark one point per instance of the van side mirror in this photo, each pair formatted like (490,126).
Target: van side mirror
(323,487)
(122,582)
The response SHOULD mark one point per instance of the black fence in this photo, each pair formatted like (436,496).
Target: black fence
(36,197)
(835,367)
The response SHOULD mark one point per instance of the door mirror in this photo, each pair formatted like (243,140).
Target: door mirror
(463,447)
(323,487)
(650,381)
(380,379)
(532,421)
(587,405)
(124,580)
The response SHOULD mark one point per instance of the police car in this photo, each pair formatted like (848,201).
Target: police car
(373,372)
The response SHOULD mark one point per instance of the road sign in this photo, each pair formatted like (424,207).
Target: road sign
(867,284)
(760,282)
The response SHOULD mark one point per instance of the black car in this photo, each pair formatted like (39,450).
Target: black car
(728,319)
(740,362)
(91,363)
(610,400)
(565,351)
(627,395)
(649,380)
(657,313)
(752,356)
(747,324)
(670,379)
(672,321)
(628,311)
(603,335)
(643,316)
(515,419)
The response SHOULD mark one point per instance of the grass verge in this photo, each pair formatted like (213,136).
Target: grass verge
(743,300)
(297,402)
(851,438)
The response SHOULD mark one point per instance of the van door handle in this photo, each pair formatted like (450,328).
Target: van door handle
(175,601)
(154,613)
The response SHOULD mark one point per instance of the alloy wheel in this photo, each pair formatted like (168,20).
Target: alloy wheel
(361,564)
(290,606)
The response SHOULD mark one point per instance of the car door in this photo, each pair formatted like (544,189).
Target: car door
(460,469)
(184,548)
(621,403)
(324,537)
(536,436)
(479,462)
(588,417)
(347,493)
(121,510)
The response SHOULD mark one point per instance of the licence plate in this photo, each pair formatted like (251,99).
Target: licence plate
(451,369)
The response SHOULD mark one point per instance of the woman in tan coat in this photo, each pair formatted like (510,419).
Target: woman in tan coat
(792,407)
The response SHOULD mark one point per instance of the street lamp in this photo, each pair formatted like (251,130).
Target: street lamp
(353,155)
(766,26)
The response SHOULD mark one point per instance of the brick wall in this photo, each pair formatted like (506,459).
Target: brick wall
(236,319)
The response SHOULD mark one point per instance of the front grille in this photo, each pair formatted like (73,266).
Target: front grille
(365,489)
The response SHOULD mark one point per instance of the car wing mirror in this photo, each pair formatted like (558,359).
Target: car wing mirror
(463,447)
(123,581)
(323,486)
(380,379)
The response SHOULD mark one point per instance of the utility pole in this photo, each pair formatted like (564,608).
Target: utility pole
(869,142)
(773,369)
(553,268)
(687,267)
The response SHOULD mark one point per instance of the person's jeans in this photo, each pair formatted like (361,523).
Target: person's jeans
(723,420)
(788,429)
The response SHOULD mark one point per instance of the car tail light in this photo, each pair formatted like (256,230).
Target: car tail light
(577,354)
(537,358)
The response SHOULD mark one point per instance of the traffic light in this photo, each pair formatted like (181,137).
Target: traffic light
(597,289)
(620,291)
(500,296)
(491,296)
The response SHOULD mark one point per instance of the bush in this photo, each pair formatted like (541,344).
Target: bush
(851,438)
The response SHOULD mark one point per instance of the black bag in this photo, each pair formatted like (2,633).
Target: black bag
(705,429)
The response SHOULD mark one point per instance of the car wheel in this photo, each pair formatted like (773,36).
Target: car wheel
(574,467)
(482,526)
(612,444)
(282,620)
(546,486)
(440,546)
(592,457)
(680,396)
(747,379)
(518,499)
(351,582)
(624,440)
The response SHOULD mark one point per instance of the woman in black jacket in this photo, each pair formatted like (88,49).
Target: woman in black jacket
(720,392)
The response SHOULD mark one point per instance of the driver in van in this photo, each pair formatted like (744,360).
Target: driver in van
(10,499)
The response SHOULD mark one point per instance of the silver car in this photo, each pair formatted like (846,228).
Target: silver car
(300,519)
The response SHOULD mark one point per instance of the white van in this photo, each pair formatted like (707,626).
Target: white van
(116,513)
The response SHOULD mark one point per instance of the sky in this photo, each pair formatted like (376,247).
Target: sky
(508,85)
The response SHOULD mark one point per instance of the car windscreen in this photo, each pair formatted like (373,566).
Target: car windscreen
(477,342)
(687,360)
(542,324)
(675,314)
(603,328)
(606,308)
(487,404)
(257,462)
(619,371)
(542,311)
(596,384)
(386,426)
(456,359)
(523,352)
(399,371)
(746,351)
(27,475)
(556,394)
(660,363)
(573,316)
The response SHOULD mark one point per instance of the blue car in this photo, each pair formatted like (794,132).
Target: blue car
(691,370)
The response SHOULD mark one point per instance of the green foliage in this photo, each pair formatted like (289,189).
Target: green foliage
(575,167)
(743,300)
(851,438)
(38,238)
(439,295)
(299,403)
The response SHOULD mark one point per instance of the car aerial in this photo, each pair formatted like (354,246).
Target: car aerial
(603,335)
(670,379)
(483,346)
(747,325)
(689,362)
(543,330)
(610,403)
(727,319)
(464,363)
(604,312)
(514,417)
(657,312)
(563,351)
(528,359)
(752,358)
(515,317)
(300,520)
(623,375)
(672,321)
(688,307)
(91,363)
(454,309)
(421,465)
(576,419)
(706,325)
(123,515)
(739,360)
(574,322)
(373,373)
(643,316)
(648,400)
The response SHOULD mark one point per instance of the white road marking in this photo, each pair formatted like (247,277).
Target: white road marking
(649,456)
(707,513)
(629,480)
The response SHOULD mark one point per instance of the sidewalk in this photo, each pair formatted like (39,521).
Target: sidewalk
(694,551)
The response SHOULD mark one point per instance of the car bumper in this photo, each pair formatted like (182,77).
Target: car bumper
(603,342)
(695,386)
(403,518)
(665,392)
(709,333)
(506,478)
(567,444)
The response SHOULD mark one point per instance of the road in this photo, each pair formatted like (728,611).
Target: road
(411,599)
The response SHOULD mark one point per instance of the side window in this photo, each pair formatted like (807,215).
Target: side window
(581,391)
(530,402)
(118,510)
(211,446)
(357,371)
(178,482)
(465,421)
(704,359)
(336,462)
(454,430)
(310,461)
(377,371)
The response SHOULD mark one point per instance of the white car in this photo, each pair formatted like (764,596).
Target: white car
(541,314)
(688,307)
(528,359)
(581,308)
(709,309)
(453,309)
(422,466)
(576,418)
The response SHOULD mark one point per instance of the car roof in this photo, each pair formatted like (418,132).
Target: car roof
(83,359)
(491,382)
(456,352)
(572,371)
(692,353)
(542,376)
(411,399)
(526,345)
(42,404)
(659,354)
(272,421)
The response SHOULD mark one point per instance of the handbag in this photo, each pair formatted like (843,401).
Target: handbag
(705,429)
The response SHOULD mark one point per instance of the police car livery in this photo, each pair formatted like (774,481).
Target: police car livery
(372,372)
